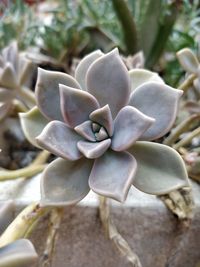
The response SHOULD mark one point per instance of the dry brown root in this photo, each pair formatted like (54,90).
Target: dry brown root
(112,233)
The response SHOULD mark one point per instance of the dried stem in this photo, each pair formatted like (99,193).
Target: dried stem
(187,83)
(113,234)
(54,225)
(41,158)
(34,168)
(180,202)
(22,224)
(24,172)
(187,139)
(181,128)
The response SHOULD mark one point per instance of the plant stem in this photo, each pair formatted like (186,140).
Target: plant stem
(187,139)
(128,25)
(54,225)
(187,83)
(24,172)
(41,158)
(113,234)
(180,202)
(21,225)
(181,128)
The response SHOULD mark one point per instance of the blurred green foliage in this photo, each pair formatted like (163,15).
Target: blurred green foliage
(69,28)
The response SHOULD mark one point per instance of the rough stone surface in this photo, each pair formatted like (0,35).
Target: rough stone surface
(151,230)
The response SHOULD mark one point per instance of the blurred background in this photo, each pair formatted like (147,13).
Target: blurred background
(63,30)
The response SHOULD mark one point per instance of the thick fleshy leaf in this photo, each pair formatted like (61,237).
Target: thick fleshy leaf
(85,130)
(188,60)
(93,150)
(101,135)
(6,95)
(141,76)
(103,117)
(32,122)
(10,54)
(76,105)
(83,66)
(20,253)
(65,182)
(6,215)
(4,109)
(26,70)
(8,77)
(197,84)
(158,101)
(138,60)
(129,125)
(113,174)
(47,92)
(160,168)
(60,140)
(108,80)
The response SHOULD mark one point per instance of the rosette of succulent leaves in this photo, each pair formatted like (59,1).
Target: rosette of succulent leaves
(17,253)
(15,72)
(191,64)
(99,124)
(191,106)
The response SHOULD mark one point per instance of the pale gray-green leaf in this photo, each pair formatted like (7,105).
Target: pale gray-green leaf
(47,92)
(160,168)
(141,76)
(20,253)
(112,174)
(65,182)
(108,80)
(83,66)
(32,122)
(158,101)
(188,60)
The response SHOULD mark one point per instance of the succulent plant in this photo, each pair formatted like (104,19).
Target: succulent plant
(99,124)
(14,73)
(20,253)
(190,64)
(135,62)
(6,214)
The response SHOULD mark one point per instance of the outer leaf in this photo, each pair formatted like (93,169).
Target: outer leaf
(47,92)
(108,80)
(93,150)
(65,182)
(112,174)
(60,140)
(130,124)
(83,66)
(188,60)
(4,109)
(32,122)
(10,54)
(20,253)
(8,77)
(76,105)
(160,168)
(140,76)
(158,101)
(6,215)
